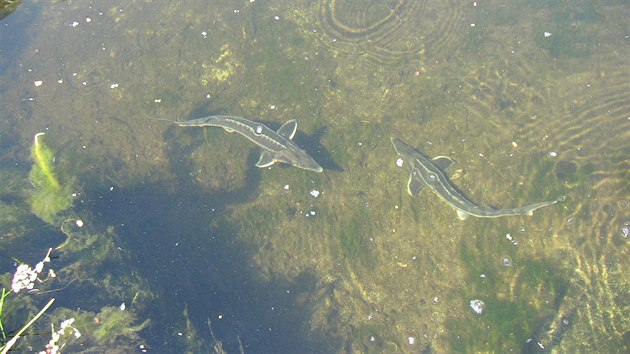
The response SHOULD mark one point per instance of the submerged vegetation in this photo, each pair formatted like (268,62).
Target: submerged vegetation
(85,252)
(50,197)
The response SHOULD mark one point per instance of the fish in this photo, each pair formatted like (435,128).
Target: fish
(277,146)
(427,172)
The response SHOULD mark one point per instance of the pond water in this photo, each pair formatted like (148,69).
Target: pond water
(169,239)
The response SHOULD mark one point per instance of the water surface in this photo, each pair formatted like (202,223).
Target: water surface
(211,254)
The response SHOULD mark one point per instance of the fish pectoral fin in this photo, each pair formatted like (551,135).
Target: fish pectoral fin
(414,185)
(288,129)
(443,162)
(266,159)
(461,215)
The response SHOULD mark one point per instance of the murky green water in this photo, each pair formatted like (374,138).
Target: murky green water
(210,254)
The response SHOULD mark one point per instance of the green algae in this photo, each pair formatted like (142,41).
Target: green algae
(353,240)
(112,330)
(50,197)
(520,299)
(221,69)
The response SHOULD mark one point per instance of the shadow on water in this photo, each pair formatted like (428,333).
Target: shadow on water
(201,272)
(312,144)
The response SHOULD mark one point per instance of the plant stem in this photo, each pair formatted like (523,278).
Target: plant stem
(41,161)
(26,326)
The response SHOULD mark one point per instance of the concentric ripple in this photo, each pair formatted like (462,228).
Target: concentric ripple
(389,31)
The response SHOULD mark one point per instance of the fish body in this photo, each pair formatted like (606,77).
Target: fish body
(427,172)
(277,146)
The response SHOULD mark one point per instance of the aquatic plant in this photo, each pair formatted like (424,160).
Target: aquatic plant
(25,278)
(6,347)
(50,196)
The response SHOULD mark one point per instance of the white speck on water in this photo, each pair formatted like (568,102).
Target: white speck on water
(553,154)
(547,34)
(204,34)
(477,306)
(113,86)
(399,162)
(508,236)
(411,340)
(272,107)
(472,25)
(60,81)
(74,24)
(259,129)
(88,19)
(123,307)
(38,83)
(157,100)
(79,223)
(276,17)
(286,187)
(315,193)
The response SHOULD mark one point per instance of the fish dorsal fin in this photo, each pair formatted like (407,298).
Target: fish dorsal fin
(288,129)
(265,160)
(414,185)
(443,162)
(461,215)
